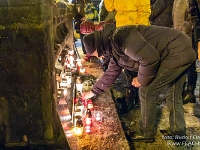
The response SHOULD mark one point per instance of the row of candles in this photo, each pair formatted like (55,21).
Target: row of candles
(83,114)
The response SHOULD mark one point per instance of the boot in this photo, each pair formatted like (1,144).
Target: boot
(189,97)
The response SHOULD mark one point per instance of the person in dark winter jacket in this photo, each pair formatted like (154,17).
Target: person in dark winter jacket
(159,56)
(161,13)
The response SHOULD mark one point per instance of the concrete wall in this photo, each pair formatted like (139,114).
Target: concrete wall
(28,114)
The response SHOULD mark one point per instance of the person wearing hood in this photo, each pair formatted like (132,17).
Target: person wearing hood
(159,56)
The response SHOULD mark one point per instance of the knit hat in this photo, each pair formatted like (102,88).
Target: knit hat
(89,43)
(94,41)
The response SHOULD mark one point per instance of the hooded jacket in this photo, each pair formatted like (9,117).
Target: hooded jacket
(144,49)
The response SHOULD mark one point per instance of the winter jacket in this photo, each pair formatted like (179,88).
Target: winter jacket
(144,49)
(161,13)
(130,12)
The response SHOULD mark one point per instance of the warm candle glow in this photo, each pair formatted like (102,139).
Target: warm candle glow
(82,70)
(78,131)
(69,81)
(88,121)
(98,116)
(63,84)
(71,60)
(90,104)
(79,127)
(87,129)
(71,52)
(65,92)
(79,87)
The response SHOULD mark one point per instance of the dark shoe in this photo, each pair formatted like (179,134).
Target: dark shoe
(189,97)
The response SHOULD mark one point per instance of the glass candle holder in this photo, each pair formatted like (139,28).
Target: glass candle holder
(65,92)
(98,115)
(63,84)
(69,81)
(87,129)
(78,64)
(79,127)
(82,70)
(90,104)
(71,60)
(79,87)
(71,52)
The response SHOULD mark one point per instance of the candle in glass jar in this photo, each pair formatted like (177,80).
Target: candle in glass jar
(69,80)
(88,118)
(79,127)
(79,87)
(90,104)
(65,92)
(71,52)
(79,64)
(82,70)
(98,116)
(87,129)
(71,60)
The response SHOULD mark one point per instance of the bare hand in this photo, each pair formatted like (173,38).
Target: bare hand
(86,95)
(135,82)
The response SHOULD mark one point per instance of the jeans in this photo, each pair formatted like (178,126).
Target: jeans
(170,82)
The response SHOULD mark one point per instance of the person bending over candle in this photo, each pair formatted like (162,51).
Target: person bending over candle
(160,56)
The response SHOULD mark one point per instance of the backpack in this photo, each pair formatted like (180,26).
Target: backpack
(87,27)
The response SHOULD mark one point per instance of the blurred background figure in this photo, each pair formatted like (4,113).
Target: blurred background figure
(91,13)
(185,15)
(161,13)
(104,14)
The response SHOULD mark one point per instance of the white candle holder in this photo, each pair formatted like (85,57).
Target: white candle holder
(65,92)
(71,52)
(69,81)
(98,115)
(63,84)
(82,70)
(79,87)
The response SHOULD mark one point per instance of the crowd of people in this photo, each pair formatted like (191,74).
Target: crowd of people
(155,43)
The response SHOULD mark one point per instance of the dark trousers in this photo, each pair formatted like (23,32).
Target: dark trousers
(131,91)
(192,77)
(169,82)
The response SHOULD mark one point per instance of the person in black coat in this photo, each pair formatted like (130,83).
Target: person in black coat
(160,56)
(161,13)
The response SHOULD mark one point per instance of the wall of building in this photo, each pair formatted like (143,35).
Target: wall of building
(28,114)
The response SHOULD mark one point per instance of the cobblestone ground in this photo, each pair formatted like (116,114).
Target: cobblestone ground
(130,120)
